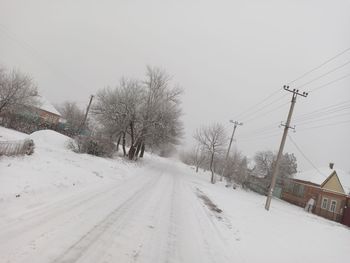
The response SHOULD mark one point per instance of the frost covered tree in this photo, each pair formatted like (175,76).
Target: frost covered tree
(16,90)
(236,168)
(73,115)
(118,109)
(160,122)
(212,139)
(265,162)
(143,113)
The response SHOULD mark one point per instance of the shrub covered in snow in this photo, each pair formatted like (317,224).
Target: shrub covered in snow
(93,146)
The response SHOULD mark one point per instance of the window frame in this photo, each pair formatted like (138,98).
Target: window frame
(322,206)
(335,206)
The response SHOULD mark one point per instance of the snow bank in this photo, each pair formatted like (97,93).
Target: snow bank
(50,139)
(11,135)
(54,168)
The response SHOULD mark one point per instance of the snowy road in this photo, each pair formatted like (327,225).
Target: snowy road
(59,206)
(155,216)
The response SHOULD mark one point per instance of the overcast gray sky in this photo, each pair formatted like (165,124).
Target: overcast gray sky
(227,56)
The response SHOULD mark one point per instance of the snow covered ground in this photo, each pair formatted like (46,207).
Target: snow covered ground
(78,208)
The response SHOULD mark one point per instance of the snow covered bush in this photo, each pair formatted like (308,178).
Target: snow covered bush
(93,146)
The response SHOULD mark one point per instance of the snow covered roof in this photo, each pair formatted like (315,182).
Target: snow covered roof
(45,105)
(320,175)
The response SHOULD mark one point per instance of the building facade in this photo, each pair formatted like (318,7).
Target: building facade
(331,199)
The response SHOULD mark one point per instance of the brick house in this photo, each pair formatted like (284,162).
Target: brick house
(30,118)
(329,188)
(46,111)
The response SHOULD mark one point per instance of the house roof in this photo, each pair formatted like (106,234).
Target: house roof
(320,175)
(45,105)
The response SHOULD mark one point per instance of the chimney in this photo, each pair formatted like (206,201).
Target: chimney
(331,165)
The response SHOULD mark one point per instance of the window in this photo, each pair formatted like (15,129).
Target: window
(298,190)
(289,187)
(324,203)
(333,206)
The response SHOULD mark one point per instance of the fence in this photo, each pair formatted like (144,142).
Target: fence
(12,148)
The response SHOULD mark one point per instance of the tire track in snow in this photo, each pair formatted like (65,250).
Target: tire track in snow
(116,219)
(58,209)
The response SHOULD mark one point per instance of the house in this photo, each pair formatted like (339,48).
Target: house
(30,118)
(329,188)
(46,111)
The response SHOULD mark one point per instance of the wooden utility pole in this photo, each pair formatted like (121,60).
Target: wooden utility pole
(86,114)
(235,124)
(283,141)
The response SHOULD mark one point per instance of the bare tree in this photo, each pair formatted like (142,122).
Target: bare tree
(212,138)
(198,156)
(195,156)
(16,90)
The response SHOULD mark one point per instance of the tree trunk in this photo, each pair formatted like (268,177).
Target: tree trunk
(124,150)
(131,153)
(138,144)
(132,149)
(118,142)
(211,168)
(142,150)
(197,166)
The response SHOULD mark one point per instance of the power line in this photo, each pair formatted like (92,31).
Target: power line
(315,116)
(274,134)
(318,67)
(245,113)
(321,119)
(323,75)
(329,83)
(258,103)
(326,109)
(329,114)
(325,113)
(303,154)
(326,125)
(258,110)
(264,113)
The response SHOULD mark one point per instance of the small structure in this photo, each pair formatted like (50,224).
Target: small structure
(329,188)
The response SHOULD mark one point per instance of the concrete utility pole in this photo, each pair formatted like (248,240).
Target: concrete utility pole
(86,114)
(235,124)
(283,141)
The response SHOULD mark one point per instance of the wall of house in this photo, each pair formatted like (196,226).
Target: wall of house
(49,117)
(299,193)
(333,184)
(325,211)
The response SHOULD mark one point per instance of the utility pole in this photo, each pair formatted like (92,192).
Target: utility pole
(235,124)
(86,114)
(283,141)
